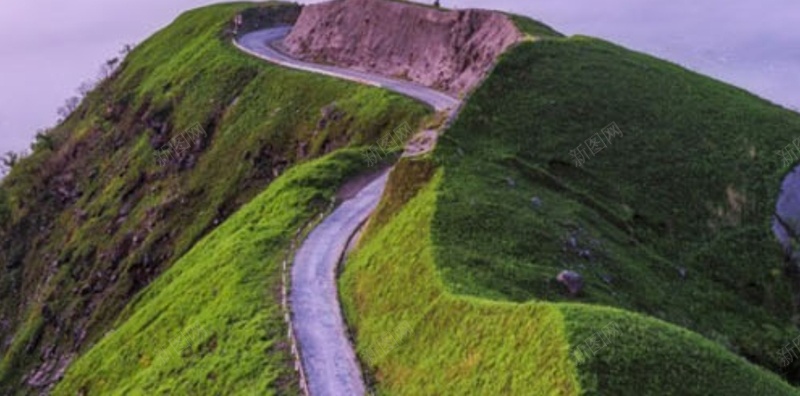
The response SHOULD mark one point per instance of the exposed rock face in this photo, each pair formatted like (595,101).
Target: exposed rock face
(447,50)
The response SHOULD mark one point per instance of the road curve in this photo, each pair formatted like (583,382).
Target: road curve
(330,364)
(258,44)
(328,358)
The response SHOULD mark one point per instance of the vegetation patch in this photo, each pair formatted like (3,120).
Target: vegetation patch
(417,338)
(212,323)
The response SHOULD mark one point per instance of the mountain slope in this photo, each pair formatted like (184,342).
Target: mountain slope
(212,323)
(416,337)
(94,217)
(671,219)
(670,222)
(453,286)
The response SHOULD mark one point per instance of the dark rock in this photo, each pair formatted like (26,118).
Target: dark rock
(537,202)
(572,242)
(572,280)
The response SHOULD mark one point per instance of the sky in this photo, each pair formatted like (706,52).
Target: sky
(49,47)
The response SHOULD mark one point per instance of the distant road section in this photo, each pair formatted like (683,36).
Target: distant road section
(258,44)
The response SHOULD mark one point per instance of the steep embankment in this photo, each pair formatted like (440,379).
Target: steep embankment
(212,323)
(668,224)
(94,218)
(417,337)
(448,50)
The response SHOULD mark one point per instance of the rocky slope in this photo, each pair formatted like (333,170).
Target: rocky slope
(449,50)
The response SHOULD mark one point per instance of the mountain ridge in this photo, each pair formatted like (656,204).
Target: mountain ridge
(111,255)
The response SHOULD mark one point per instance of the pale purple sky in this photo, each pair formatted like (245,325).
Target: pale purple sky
(48,47)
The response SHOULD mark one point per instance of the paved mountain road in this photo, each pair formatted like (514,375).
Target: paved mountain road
(258,44)
(329,361)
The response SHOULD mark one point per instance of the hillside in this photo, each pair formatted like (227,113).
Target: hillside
(94,217)
(214,317)
(125,272)
(668,225)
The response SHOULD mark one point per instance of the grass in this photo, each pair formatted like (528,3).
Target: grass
(95,219)
(452,288)
(416,337)
(212,323)
(533,28)
(670,224)
(688,189)
(651,357)
(526,25)
(419,339)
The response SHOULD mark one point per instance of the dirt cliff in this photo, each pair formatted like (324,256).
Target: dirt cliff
(445,49)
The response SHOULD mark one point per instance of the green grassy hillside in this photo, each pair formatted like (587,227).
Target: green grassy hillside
(92,218)
(212,323)
(671,219)
(416,337)
(140,278)
(670,223)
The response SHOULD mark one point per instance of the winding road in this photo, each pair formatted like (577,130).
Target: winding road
(259,44)
(329,361)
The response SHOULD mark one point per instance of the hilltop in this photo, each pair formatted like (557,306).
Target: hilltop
(666,219)
(124,272)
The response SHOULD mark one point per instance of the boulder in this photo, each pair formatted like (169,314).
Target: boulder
(572,280)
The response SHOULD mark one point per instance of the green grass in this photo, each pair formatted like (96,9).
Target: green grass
(212,323)
(419,339)
(689,187)
(534,28)
(650,357)
(131,219)
(416,337)
(452,289)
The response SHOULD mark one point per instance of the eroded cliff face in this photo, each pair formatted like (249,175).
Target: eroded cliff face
(447,50)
